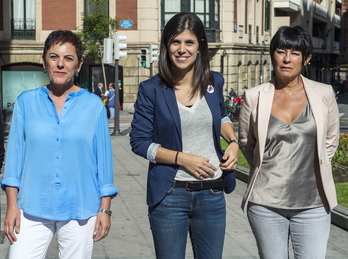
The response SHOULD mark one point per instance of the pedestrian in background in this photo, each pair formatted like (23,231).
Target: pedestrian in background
(99,90)
(59,168)
(111,100)
(289,132)
(178,120)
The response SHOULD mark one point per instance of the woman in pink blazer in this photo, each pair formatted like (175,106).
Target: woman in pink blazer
(288,132)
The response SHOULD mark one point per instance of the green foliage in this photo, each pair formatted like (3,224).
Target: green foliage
(341,155)
(241,159)
(340,170)
(96,26)
(342,193)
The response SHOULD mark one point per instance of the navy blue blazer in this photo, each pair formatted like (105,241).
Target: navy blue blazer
(157,120)
(97,91)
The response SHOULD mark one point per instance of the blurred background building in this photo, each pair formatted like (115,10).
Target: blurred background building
(239,33)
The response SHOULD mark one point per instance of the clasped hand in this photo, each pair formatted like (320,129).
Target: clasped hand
(198,166)
(230,158)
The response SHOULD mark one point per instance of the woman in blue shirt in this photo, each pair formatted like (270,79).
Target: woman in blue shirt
(111,100)
(59,168)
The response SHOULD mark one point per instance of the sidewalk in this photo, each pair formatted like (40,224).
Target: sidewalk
(130,235)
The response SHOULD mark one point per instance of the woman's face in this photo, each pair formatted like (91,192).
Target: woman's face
(288,63)
(62,64)
(183,50)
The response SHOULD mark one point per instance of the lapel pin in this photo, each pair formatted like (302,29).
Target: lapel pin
(210,89)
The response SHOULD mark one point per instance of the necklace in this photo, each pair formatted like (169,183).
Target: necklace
(295,91)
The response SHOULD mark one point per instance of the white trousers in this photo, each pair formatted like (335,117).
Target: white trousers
(75,238)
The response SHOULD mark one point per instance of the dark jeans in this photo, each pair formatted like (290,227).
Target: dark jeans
(201,213)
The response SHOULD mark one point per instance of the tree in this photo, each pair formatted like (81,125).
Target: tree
(97,25)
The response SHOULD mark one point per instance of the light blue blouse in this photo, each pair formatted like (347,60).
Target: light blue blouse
(62,165)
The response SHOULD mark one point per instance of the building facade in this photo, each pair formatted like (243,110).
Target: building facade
(239,33)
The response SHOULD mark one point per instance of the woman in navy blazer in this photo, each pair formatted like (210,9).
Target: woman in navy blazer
(178,120)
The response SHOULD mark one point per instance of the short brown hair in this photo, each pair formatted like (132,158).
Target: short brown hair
(63,36)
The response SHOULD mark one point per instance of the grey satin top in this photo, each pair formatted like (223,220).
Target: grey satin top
(289,174)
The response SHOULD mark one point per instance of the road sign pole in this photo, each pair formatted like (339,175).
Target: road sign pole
(116,131)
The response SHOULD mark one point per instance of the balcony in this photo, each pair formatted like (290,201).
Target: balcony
(337,21)
(336,47)
(288,6)
(318,43)
(320,12)
(23,29)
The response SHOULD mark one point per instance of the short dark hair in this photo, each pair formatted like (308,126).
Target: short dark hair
(61,37)
(202,76)
(295,38)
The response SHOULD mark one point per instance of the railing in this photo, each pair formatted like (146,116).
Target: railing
(23,29)
(318,43)
(337,19)
(319,10)
(296,2)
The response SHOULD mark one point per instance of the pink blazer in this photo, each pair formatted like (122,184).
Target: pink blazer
(253,124)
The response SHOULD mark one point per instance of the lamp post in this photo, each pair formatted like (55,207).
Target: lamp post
(118,53)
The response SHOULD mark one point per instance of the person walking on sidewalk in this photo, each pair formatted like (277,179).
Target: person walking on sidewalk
(111,100)
(289,132)
(59,165)
(179,116)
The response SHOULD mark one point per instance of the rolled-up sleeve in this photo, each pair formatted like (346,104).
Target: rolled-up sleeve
(105,165)
(14,150)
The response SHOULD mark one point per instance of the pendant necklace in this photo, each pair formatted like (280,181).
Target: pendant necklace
(295,91)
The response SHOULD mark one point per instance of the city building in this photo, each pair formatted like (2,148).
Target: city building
(239,33)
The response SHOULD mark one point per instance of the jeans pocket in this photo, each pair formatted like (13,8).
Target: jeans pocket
(170,189)
(216,191)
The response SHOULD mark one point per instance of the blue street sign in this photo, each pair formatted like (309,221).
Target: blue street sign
(126,24)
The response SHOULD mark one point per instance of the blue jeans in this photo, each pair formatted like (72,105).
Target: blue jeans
(202,214)
(112,112)
(308,229)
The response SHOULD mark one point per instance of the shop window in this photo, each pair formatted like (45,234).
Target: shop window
(18,78)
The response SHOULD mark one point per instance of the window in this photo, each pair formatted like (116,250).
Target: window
(267,15)
(23,19)
(16,78)
(91,7)
(207,11)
